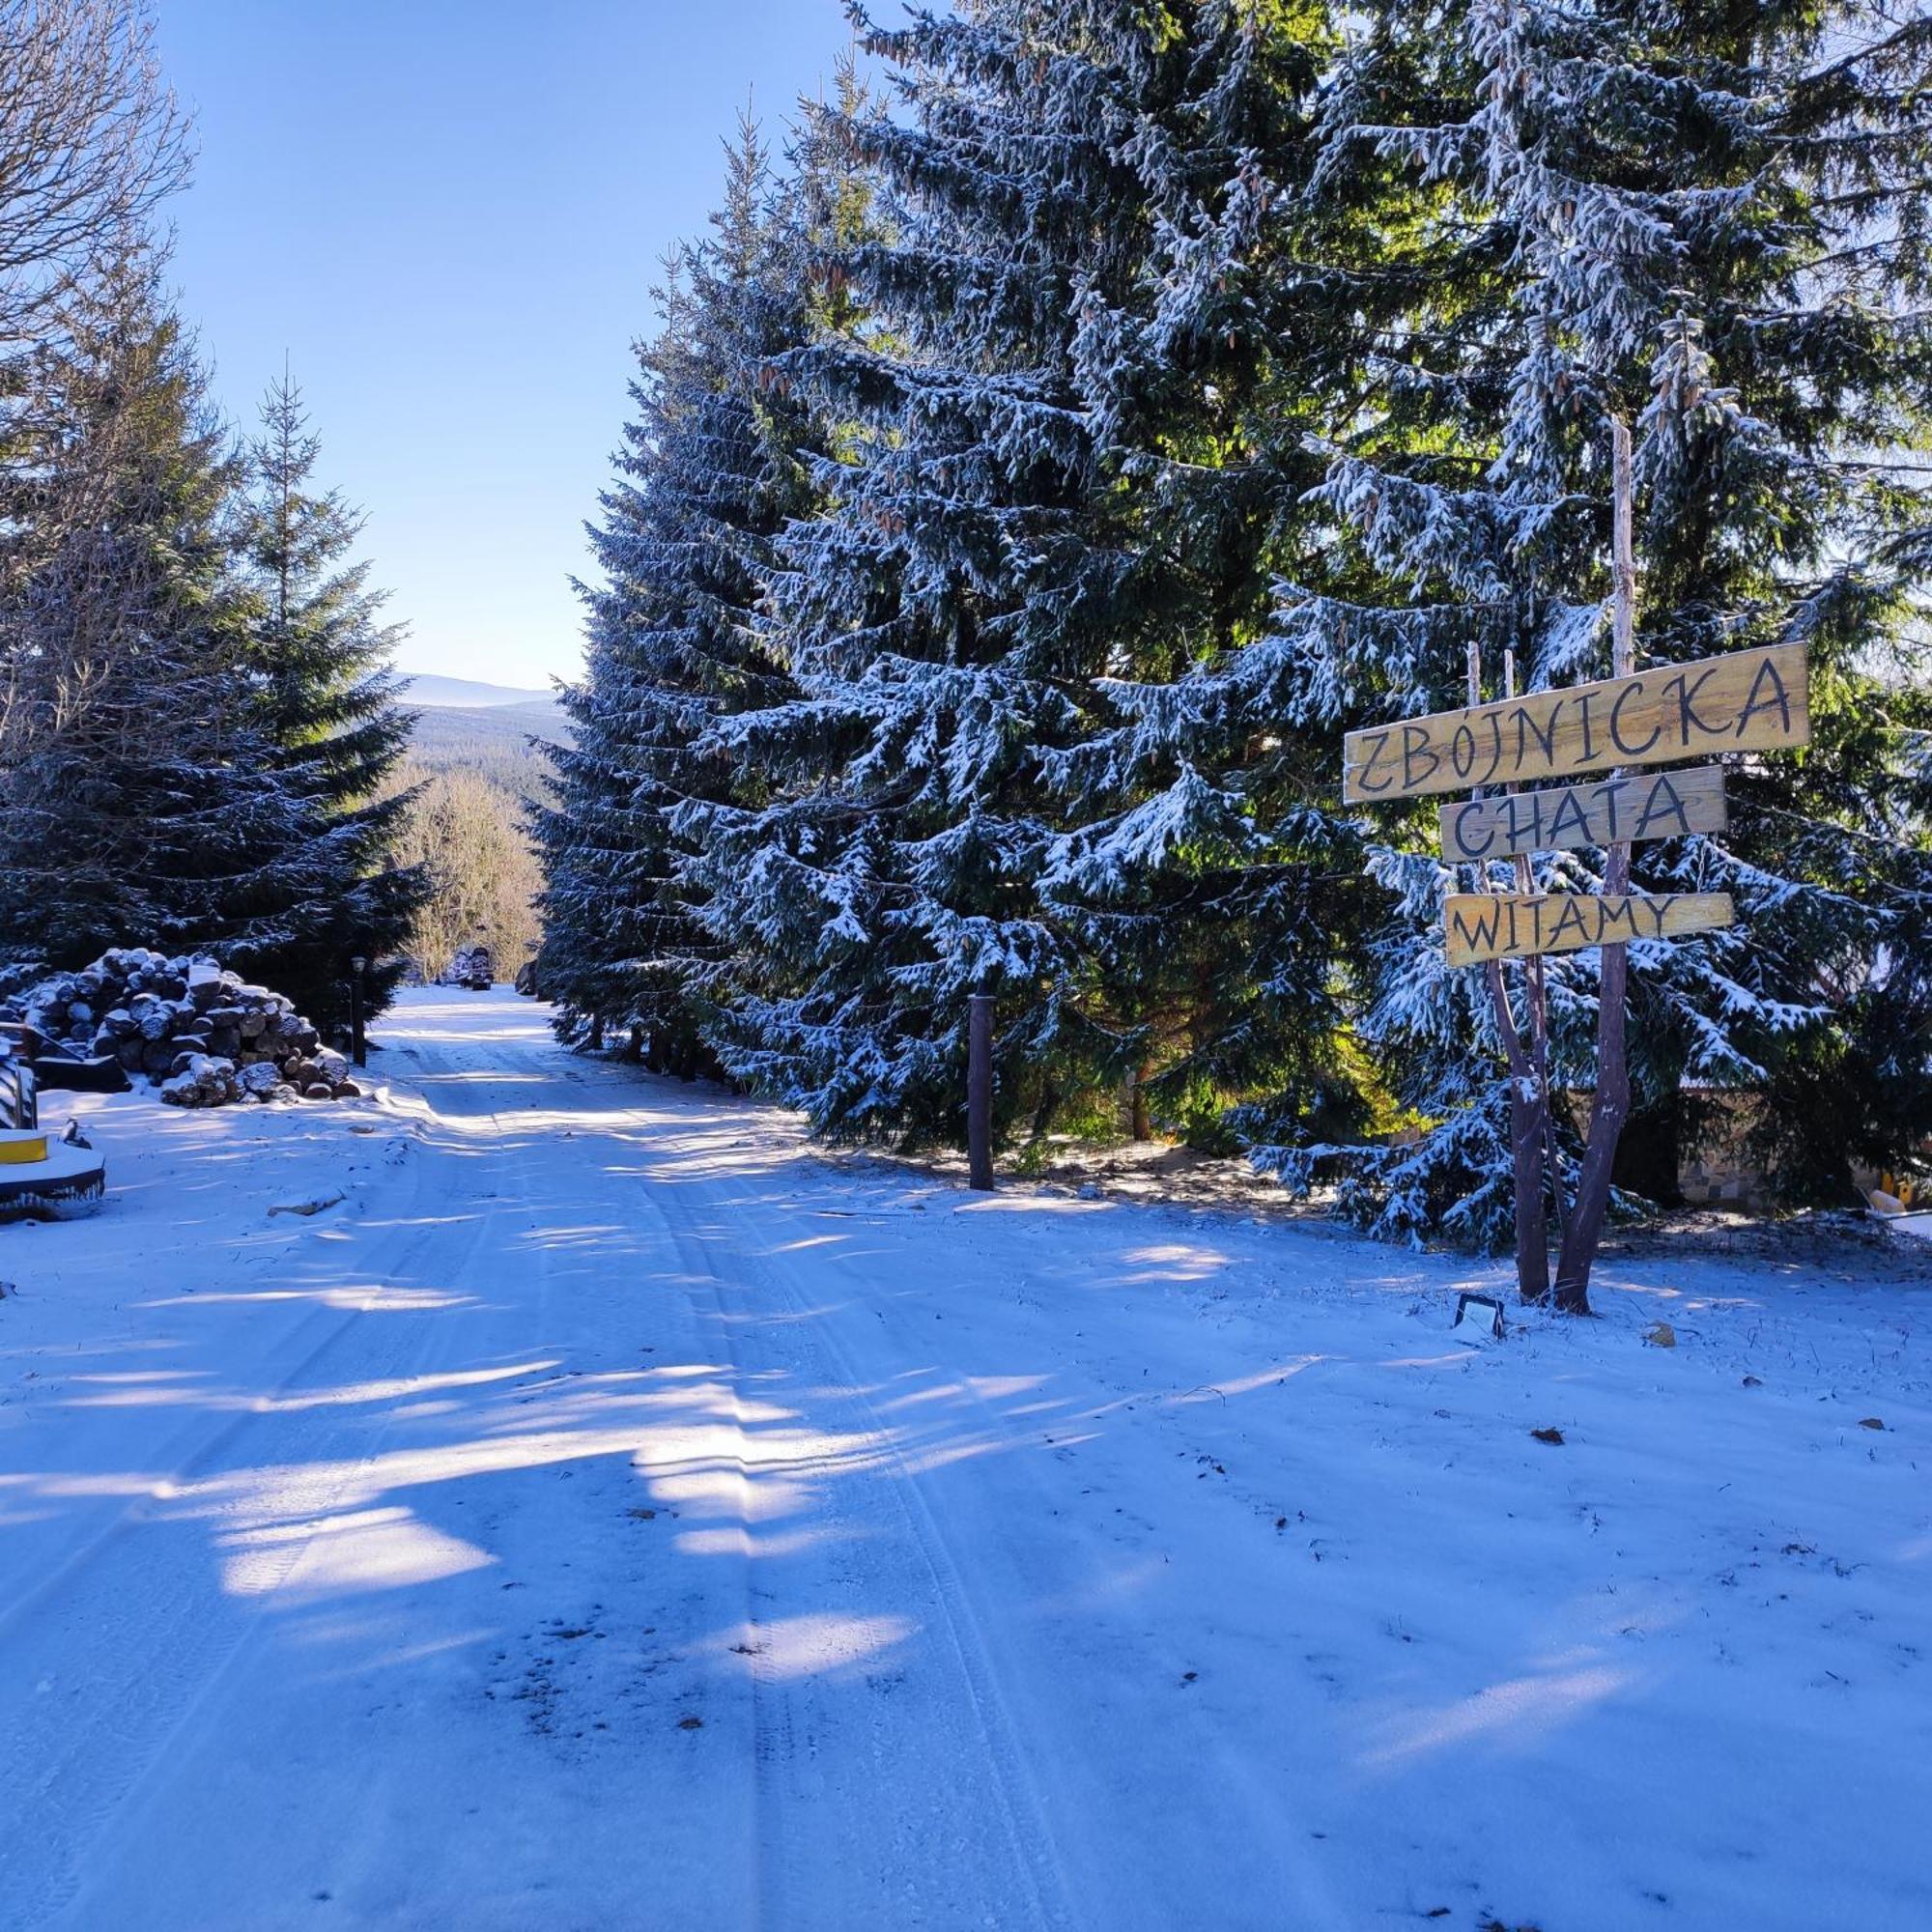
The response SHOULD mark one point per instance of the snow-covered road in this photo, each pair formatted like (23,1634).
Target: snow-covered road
(611,1515)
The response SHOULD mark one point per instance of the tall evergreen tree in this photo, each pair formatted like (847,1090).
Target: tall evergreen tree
(1701,221)
(137,792)
(708,474)
(1043,488)
(1211,878)
(1175,311)
(940,619)
(318,661)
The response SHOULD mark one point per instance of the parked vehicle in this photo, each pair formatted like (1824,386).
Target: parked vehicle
(472,969)
(41,1177)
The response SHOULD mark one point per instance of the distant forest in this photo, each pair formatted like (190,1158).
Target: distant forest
(473,771)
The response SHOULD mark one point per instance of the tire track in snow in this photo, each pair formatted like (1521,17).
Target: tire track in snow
(1246,1813)
(578,1180)
(1247,1805)
(617,1115)
(975,1724)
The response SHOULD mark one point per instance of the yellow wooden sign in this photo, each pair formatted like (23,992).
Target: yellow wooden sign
(1642,804)
(1743,701)
(1511,925)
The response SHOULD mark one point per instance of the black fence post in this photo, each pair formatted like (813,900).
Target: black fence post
(359,1049)
(980,1093)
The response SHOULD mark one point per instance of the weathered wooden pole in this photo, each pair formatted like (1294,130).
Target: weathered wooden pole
(1537,994)
(980,1093)
(1526,1116)
(1610,1106)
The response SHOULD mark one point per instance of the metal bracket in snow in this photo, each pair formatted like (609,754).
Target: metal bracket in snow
(1480,1315)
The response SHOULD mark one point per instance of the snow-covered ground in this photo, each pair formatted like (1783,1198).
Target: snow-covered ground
(608,1514)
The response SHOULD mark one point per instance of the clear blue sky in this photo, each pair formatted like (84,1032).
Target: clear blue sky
(449,214)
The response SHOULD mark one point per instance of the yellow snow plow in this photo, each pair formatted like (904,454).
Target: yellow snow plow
(41,1177)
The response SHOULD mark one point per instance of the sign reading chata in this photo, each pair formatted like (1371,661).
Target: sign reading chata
(1644,804)
(1508,925)
(1743,701)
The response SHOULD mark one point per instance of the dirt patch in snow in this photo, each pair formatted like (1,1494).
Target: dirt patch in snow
(1842,1246)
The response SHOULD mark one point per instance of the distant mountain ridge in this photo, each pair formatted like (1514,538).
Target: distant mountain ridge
(484,733)
(461,720)
(466,694)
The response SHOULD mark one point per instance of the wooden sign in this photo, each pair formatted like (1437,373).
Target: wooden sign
(1646,805)
(1744,701)
(1508,926)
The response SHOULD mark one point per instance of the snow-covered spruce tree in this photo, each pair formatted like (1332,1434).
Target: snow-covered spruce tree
(708,474)
(1065,188)
(1708,222)
(942,618)
(137,792)
(1209,876)
(318,665)
(1855,326)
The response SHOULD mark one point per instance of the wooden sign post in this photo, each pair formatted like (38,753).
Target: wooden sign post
(1753,701)
(1749,700)
(1610,1104)
(1657,805)
(1521,925)
(1530,1131)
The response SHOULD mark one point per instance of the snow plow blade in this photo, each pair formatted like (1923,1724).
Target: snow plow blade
(60,1181)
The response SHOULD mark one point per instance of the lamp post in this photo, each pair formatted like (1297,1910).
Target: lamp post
(358,1050)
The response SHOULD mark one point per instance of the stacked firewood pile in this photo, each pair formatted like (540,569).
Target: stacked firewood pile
(200,1032)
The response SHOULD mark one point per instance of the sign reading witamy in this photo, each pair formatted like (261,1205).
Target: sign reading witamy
(1743,701)
(1508,926)
(1646,805)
